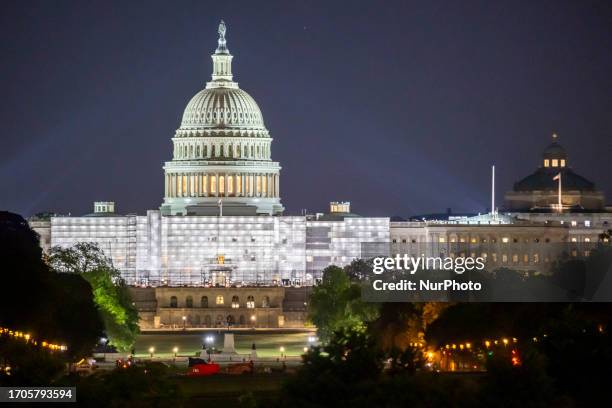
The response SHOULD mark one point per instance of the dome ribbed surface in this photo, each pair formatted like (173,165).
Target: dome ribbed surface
(222,108)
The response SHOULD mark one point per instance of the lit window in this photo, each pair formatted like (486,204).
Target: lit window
(555,163)
(504,258)
(213,184)
(239,184)
(442,240)
(587,239)
(546,163)
(230,185)
(536,258)
(574,239)
(473,240)
(525,258)
(587,223)
(184,186)
(221,184)
(574,223)
(258,185)
(250,304)
(515,258)
(562,162)
(235,302)
(505,240)
(219,300)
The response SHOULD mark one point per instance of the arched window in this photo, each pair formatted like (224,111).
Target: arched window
(235,302)
(204,302)
(265,302)
(189,301)
(173,301)
(219,300)
(250,304)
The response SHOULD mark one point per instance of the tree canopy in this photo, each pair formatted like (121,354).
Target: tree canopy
(111,294)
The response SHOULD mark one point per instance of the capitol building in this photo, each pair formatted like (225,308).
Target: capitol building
(220,232)
(221,220)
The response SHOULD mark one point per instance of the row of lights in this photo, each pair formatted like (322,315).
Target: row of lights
(210,340)
(28,339)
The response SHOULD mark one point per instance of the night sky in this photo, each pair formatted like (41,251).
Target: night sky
(398,107)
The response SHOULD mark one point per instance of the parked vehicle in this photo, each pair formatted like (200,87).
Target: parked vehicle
(203,369)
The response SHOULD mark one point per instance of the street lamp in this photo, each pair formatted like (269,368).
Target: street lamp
(209,340)
(253,319)
(151,351)
(175,350)
(184,322)
(282,351)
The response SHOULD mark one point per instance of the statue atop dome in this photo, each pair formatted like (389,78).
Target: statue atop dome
(222,47)
(222,30)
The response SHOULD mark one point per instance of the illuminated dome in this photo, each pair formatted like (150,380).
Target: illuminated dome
(540,190)
(222,107)
(222,159)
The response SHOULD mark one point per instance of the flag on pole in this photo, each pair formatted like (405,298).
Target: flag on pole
(559,203)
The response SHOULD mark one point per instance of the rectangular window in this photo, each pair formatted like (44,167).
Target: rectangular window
(546,163)
(192,185)
(221,184)
(562,162)
(230,184)
(213,184)
(258,185)
(555,163)
(239,184)
(264,185)
(184,186)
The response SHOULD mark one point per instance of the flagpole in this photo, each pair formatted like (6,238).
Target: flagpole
(560,205)
(493,190)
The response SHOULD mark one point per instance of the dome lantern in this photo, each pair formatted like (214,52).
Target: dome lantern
(222,62)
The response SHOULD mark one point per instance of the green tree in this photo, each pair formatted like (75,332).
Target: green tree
(336,304)
(111,294)
(42,303)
